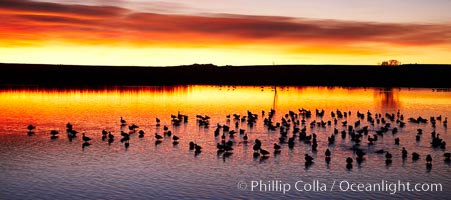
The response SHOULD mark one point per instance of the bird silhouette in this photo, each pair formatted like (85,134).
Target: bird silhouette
(54,134)
(175,140)
(245,137)
(360,155)
(69,126)
(110,135)
(123,122)
(141,133)
(349,161)
(447,157)
(277,147)
(197,148)
(415,156)
(308,158)
(191,145)
(257,145)
(31,127)
(327,153)
(264,152)
(85,138)
(404,153)
(388,156)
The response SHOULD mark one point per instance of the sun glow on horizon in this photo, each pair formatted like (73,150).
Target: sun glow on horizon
(59,33)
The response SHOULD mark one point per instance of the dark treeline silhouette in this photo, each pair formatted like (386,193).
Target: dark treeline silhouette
(300,75)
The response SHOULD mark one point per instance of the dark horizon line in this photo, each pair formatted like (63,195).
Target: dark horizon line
(407,75)
(211,64)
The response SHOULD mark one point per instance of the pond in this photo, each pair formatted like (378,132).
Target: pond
(36,166)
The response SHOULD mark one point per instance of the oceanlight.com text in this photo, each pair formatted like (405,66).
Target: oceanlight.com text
(391,187)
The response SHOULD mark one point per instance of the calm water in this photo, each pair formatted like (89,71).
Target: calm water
(37,167)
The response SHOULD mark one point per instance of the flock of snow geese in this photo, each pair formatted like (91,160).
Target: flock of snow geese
(292,122)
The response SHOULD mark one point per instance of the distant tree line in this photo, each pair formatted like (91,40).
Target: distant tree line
(390,63)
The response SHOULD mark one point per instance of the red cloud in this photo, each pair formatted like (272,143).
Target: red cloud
(35,20)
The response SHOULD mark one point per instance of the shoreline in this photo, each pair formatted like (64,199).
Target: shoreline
(68,76)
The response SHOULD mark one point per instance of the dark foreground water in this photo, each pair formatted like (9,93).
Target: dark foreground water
(38,167)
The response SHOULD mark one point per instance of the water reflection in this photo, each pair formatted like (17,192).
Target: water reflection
(388,99)
(275,99)
(383,98)
(158,167)
(222,100)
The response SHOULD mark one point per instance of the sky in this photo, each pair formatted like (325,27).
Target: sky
(233,32)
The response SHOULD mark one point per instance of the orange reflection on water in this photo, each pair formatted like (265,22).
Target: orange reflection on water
(387,99)
(91,111)
(329,98)
(102,108)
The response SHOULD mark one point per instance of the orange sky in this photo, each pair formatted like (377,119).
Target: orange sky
(57,33)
